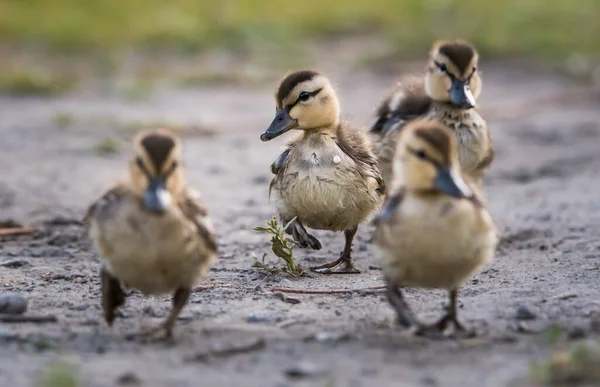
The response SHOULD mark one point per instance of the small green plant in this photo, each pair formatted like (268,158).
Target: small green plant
(281,246)
(107,146)
(59,374)
(578,364)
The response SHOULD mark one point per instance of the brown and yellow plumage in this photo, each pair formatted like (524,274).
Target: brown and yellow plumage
(328,177)
(434,230)
(447,93)
(157,242)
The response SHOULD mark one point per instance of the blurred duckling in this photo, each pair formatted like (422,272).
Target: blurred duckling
(448,93)
(434,231)
(327,178)
(151,230)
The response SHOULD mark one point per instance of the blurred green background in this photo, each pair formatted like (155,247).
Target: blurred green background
(503,26)
(544,29)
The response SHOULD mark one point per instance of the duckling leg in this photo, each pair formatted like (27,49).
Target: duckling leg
(112,295)
(180,299)
(302,236)
(343,265)
(449,318)
(396,299)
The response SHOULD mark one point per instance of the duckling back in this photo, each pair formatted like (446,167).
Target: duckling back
(406,103)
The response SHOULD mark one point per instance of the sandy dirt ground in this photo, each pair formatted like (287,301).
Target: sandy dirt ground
(543,192)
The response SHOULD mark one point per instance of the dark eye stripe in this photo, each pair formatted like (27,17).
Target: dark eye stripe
(444,69)
(423,156)
(142,167)
(311,94)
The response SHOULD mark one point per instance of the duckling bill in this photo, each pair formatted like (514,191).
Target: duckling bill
(327,178)
(434,230)
(151,230)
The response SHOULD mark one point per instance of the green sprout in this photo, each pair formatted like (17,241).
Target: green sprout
(281,246)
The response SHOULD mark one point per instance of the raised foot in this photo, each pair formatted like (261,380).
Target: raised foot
(310,242)
(340,266)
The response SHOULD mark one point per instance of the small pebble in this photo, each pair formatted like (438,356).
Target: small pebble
(12,304)
(337,159)
(304,369)
(13,263)
(524,313)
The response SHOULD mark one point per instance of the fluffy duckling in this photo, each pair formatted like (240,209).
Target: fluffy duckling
(434,230)
(327,178)
(447,93)
(151,230)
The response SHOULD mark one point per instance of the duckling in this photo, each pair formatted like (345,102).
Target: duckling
(434,230)
(327,178)
(151,230)
(448,93)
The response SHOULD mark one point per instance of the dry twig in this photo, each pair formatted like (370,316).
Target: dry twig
(16,231)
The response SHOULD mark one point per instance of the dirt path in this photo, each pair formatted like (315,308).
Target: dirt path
(542,191)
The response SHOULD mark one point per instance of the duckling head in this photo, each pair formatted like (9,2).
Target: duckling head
(426,160)
(155,171)
(305,100)
(452,74)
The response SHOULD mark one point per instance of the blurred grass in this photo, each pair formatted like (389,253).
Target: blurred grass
(29,82)
(537,27)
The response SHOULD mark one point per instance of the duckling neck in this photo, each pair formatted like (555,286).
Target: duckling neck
(325,130)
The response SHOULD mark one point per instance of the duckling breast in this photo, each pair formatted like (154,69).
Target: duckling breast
(435,245)
(472,133)
(325,189)
(152,253)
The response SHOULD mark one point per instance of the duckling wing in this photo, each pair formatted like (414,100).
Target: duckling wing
(193,208)
(101,207)
(279,161)
(356,145)
(409,100)
(485,163)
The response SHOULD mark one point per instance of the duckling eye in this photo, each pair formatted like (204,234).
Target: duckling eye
(421,154)
(139,162)
(304,96)
(443,67)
